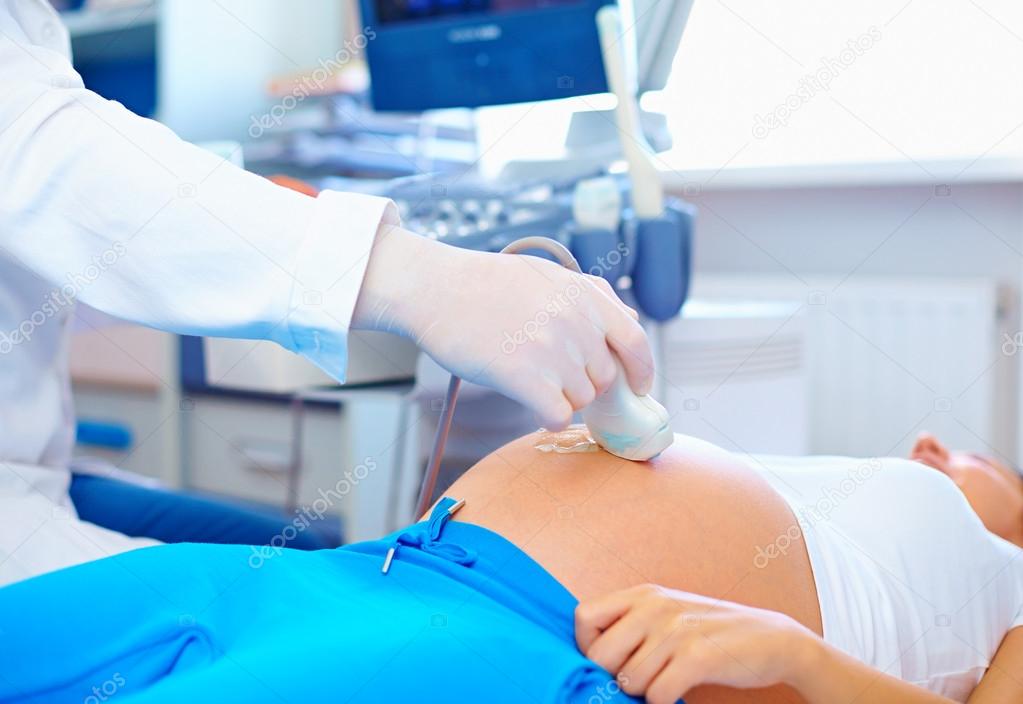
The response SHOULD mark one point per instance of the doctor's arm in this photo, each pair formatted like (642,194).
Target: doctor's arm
(118,212)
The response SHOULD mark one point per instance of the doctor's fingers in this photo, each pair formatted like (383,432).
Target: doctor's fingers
(543,394)
(623,334)
(627,339)
(551,378)
(605,288)
(578,387)
(601,369)
(586,367)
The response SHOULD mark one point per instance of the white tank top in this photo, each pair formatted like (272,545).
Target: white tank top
(909,580)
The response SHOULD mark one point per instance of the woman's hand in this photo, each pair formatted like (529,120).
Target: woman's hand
(529,328)
(661,643)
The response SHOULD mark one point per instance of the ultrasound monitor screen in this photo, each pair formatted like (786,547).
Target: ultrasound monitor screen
(391,11)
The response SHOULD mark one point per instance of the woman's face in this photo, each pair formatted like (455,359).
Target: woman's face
(994,490)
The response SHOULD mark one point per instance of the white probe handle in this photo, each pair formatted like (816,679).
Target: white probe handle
(627,425)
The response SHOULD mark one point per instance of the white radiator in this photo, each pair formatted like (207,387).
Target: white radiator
(734,373)
(890,357)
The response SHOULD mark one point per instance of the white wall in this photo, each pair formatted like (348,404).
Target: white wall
(216,58)
(971,229)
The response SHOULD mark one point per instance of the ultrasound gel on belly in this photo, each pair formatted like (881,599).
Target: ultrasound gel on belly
(573,439)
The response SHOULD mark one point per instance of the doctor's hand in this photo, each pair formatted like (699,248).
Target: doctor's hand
(528,328)
(660,643)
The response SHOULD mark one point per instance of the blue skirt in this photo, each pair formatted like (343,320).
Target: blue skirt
(461,615)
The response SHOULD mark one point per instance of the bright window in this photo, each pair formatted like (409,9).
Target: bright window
(806,82)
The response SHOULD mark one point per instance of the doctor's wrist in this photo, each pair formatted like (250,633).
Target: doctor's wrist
(378,300)
(394,281)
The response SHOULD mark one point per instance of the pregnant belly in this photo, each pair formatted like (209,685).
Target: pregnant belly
(695,519)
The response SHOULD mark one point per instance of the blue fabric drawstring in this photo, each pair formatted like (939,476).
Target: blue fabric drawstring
(426,537)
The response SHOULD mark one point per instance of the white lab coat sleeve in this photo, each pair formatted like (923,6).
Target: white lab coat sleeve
(116,211)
